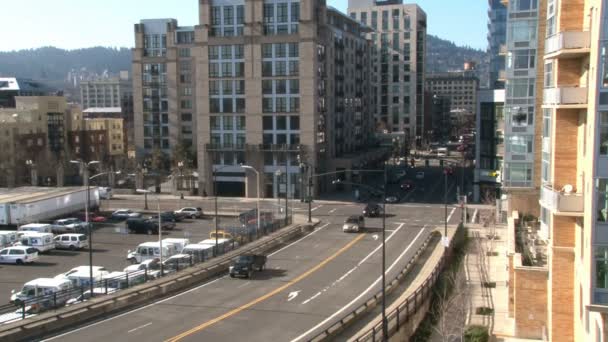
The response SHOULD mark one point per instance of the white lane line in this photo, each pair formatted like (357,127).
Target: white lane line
(311,298)
(451,213)
(243,285)
(356,266)
(362,293)
(175,296)
(315,208)
(140,327)
(333,210)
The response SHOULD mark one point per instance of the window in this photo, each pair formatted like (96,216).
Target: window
(522,30)
(364,18)
(518,174)
(281,17)
(602,200)
(384,20)
(549,81)
(519,144)
(522,5)
(395,19)
(601,271)
(375,20)
(227,20)
(604,67)
(521,59)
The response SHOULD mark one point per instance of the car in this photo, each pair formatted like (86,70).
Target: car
(190,212)
(391,199)
(354,223)
(420,175)
(177,262)
(124,214)
(407,185)
(18,255)
(139,225)
(71,241)
(80,269)
(171,216)
(168,223)
(68,225)
(372,210)
(151,267)
(93,217)
(246,264)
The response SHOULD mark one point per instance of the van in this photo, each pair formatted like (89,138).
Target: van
(179,243)
(82,278)
(36,227)
(71,241)
(42,242)
(33,291)
(105,192)
(123,280)
(199,252)
(8,238)
(223,245)
(150,250)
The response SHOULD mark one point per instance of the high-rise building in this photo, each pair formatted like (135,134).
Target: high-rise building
(497,38)
(399,35)
(283,87)
(11,87)
(523,101)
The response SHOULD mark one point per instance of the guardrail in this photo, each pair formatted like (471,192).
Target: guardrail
(22,309)
(336,327)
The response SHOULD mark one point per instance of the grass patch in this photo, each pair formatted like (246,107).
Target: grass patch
(483,310)
(476,333)
(489,284)
(492,253)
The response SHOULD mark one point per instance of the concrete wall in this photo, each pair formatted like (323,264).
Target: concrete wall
(530,299)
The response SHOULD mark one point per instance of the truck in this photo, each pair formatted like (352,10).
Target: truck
(23,205)
(246,264)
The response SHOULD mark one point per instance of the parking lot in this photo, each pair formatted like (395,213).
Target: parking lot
(110,245)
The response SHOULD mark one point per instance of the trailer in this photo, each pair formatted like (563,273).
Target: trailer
(25,205)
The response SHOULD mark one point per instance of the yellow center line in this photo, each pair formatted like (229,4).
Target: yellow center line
(266,296)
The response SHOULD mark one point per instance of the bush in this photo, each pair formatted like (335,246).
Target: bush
(476,333)
(485,311)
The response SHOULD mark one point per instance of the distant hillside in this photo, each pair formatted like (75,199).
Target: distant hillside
(53,65)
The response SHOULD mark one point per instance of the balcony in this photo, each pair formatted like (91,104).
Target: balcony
(565,97)
(225,147)
(280,147)
(561,203)
(568,44)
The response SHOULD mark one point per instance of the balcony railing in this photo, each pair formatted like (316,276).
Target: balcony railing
(560,202)
(568,43)
(279,147)
(225,147)
(574,97)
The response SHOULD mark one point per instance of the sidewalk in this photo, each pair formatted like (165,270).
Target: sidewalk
(481,268)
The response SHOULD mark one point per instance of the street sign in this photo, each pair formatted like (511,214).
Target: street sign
(445,241)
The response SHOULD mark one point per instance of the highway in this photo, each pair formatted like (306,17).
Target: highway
(307,285)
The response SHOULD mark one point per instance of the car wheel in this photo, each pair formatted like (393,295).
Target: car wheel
(19,262)
(72,247)
(133,261)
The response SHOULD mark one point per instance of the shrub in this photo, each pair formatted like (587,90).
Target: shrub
(476,333)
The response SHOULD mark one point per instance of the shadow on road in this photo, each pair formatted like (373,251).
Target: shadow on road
(268,273)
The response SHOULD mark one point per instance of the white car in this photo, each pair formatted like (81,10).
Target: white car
(190,212)
(151,267)
(81,269)
(68,225)
(18,255)
(71,241)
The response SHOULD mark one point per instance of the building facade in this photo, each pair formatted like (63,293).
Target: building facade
(399,37)
(497,38)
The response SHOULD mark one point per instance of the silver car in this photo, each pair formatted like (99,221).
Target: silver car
(354,224)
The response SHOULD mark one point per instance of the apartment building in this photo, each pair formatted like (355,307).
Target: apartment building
(11,87)
(490,145)
(399,35)
(497,37)
(99,139)
(163,86)
(523,101)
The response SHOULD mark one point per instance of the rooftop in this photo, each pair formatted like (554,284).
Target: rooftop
(95,110)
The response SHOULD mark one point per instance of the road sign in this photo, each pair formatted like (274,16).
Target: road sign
(445,241)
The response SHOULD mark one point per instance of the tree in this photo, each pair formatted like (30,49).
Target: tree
(451,305)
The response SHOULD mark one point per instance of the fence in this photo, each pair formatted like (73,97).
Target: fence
(23,308)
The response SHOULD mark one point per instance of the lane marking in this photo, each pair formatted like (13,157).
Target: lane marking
(357,266)
(140,327)
(315,208)
(362,293)
(333,210)
(293,295)
(243,285)
(268,295)
(451,213)
(177,295)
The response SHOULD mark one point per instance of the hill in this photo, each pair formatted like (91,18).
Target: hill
(443,55)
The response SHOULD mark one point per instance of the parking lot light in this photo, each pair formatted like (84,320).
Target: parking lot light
(160,229)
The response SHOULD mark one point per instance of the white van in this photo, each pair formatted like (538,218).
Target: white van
(8,238)
(179,243)
(36,227)
(71,241)
(42,287)
(43,242)
(80,269)
(199,252)
(123,280)
(151,250)
(223,245)
(82,277)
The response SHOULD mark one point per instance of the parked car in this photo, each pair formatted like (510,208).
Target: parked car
(245,265)
(98,291)
(36,227)
(167,223)
(392,199)
(151,250)
(124,214)
(68,225)
(80,269)
(8,238)
(354,223)
(177,262)
(140,225)
(18,314)
(151,267)
(18,255)
(93,217)
(170,216)
(71,241)
(372,210)
(190,212)
(407,185)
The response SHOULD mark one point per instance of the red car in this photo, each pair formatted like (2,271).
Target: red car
(93,217)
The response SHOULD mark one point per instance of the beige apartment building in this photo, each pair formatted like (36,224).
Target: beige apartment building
(399,37)
(570,301)
(282,86)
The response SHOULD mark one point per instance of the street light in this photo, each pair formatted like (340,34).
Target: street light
(279,174)
(85,173)
(160,228)
(247,167)
(214,170)
(30,163)
(384,321)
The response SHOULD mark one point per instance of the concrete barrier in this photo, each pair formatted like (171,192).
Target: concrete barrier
(51,322)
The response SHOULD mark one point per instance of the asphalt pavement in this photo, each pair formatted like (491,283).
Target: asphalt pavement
(307,285)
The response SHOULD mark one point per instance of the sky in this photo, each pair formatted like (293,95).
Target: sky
(73,24)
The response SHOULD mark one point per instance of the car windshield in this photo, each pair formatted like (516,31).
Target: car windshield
(28,291)
(244,259)
(352,220)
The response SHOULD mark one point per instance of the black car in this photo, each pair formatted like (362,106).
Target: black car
(142,226)
(171,216)
(372,210)
(246,264)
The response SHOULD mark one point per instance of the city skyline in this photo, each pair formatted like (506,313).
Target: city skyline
(87,25)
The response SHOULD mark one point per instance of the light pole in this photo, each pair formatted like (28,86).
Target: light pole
(384,191)
(160,229)
(247,167)
(31,165)
(85,179)
(180,166)
(279,175)
(213,170)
